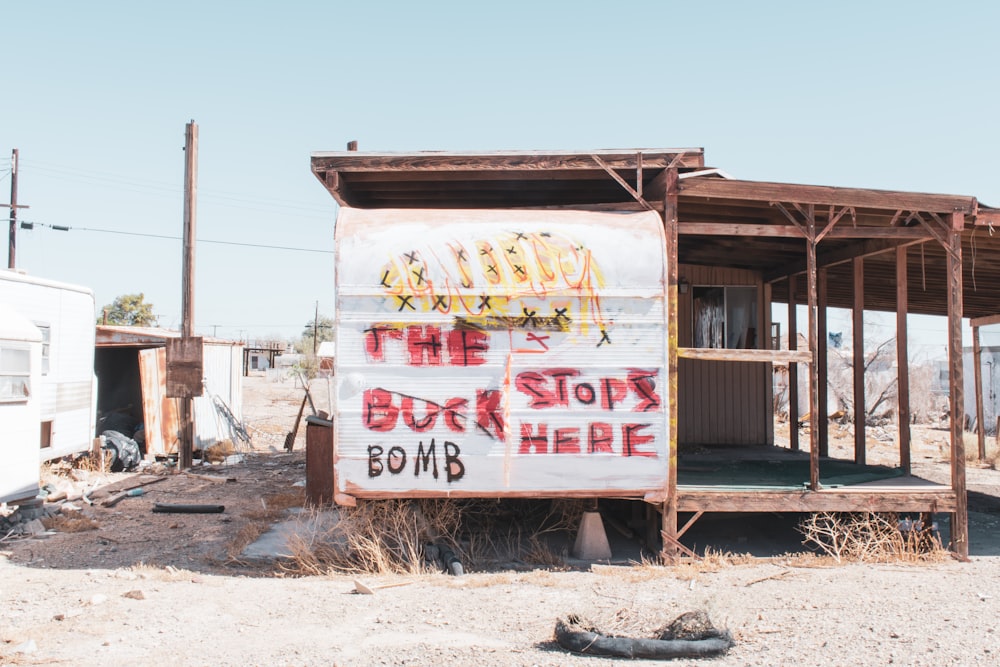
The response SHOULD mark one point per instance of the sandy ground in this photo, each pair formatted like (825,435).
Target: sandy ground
(145,588)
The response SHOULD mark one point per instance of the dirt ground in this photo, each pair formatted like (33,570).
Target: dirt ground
(123,585)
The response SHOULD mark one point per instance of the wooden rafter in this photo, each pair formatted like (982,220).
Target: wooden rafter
(622,182)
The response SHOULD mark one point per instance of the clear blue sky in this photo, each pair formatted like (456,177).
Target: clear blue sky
(898,95)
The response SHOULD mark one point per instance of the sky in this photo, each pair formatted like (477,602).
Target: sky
(96,95)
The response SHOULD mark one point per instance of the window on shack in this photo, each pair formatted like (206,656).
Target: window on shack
(725,317)
(15,373)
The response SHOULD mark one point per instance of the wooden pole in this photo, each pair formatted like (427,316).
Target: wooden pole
(669,515)
(823,390)
(960,519)
(764,343)
(858,332)
(977,365)
(902,359)
(813,299)
(793,369)
(12,246)
(186,451)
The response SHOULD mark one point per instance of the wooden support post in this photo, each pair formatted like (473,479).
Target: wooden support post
(977,365)
(858,326)
(960,519)
(823,390)
(811,280)
(793,369)
(669,514)
(764,343)
(902,360)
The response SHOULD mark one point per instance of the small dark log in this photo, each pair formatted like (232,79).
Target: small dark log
(160,508)
(573,635)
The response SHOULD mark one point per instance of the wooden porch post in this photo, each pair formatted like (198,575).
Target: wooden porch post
(811,279)
(960,519)
(823,390)
(977,364)
(858,332)
(793,369)
(669,514)
(902,359)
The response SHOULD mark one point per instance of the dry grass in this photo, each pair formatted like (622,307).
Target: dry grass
(70,523)
(278,502)
(392,536)
(711,561)
(971,441)
(870,537)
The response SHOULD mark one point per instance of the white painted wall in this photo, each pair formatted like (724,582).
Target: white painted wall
(488,353)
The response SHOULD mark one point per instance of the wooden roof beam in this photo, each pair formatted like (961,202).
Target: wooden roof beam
(827,196)
(841,255)
(348,161)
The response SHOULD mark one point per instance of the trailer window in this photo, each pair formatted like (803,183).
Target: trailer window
(15,373)
(725,317)
(46,344)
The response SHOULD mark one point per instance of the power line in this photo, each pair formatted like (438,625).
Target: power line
(64,228)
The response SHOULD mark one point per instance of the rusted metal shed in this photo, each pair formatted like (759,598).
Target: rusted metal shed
(131,362)
(727,249)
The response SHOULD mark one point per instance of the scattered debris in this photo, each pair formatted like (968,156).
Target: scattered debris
(370,590)
(118,497)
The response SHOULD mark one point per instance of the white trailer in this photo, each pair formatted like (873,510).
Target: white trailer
(65,317)
(20,376)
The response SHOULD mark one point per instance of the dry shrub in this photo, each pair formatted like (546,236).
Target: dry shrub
(93,462)
(70,523)
(392,536)
(218,452)
(376,537)
(870,537)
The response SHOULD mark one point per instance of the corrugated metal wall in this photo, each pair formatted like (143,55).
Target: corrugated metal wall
(722,402)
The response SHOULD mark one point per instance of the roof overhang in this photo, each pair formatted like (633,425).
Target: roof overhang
(502,179)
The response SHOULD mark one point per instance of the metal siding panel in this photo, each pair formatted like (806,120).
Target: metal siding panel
(423,361)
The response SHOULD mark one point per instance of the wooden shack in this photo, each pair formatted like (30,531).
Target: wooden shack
(698,337)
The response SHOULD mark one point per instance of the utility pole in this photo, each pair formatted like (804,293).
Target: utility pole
(12,247)
(186,451)
(315,329)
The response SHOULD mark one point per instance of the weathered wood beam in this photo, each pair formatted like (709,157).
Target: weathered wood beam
(669,508)
(977,366)
(902,359)
(793,369)
(813,299)
(960,519)
(827,196)
(779,357)
(985,321)
(822,361)
(858,332)
(822,501)
(501,160)
(739,229)
(622,182)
